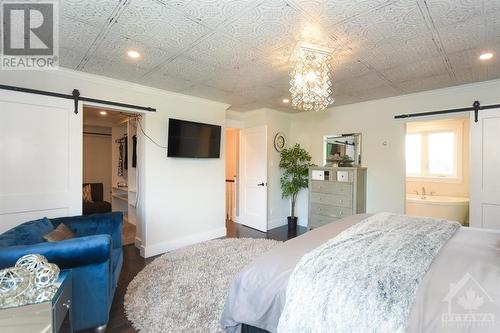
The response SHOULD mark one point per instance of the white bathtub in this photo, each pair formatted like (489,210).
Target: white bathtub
(449,208)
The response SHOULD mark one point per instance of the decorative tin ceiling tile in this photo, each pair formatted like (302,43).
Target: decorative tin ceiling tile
(114,47)
(415,70)
(165,82)
(333,12)
(223,51)
(273,24)
(76,35)
(95,12)
(212,13)
(114,69)
(220,49)
(153,23)
(69,58)
(426,83)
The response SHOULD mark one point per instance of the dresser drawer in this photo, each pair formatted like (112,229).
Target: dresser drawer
(331,187)
(340,200)
(330,211)
(319,220)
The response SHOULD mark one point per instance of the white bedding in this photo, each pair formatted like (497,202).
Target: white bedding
(470,261)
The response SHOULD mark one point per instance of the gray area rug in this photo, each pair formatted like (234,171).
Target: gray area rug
(185,290)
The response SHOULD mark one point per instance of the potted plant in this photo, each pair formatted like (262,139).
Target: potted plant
(295,163)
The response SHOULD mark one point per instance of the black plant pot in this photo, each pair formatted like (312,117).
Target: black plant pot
(292,223)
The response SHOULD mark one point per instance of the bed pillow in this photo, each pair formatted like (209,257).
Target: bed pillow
(60,233)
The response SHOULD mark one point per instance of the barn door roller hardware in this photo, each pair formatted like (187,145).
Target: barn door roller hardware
(75,96)
(476,106)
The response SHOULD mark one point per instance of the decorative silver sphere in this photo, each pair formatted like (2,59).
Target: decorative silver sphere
(32,262)
(14,281)
(44,294)
(46,275)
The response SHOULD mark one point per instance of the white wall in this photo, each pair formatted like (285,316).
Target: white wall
(375,120)
(182,200)
(97,158)
(276,121)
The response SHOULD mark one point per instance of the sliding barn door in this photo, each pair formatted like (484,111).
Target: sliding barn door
(253,177)
(40,158)
(485,170)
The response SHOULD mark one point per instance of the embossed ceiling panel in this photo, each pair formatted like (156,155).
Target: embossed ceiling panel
(162,81)
(223,51)
(96,12)
(447,13)
(271,25)
(114,69)
(426,83)
(332,12)
(189,69)
(391,24)
(115,46)
(212,13)
(77,36)
(423,68)
(237,51)
(158,25)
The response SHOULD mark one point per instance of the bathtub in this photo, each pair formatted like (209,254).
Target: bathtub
(449,208)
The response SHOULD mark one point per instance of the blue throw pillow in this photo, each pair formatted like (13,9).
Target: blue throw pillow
(27,233)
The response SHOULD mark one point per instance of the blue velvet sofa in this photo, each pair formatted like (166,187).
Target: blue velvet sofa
(95,258)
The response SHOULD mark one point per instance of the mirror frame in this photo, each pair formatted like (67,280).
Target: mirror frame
(358,151)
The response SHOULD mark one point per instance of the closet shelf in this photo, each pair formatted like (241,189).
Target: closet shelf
(120,197)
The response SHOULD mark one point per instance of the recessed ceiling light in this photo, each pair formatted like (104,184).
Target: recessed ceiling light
(486,56)
(133,54)
(103,113)
(286,100)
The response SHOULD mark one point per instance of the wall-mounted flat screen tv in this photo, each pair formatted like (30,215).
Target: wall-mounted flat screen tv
(190,139)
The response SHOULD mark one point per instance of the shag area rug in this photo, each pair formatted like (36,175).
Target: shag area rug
(185,290)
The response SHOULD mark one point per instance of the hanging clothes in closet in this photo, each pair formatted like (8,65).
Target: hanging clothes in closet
(122,155)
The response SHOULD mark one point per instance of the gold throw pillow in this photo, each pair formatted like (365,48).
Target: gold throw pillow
(60,233)
(87,193)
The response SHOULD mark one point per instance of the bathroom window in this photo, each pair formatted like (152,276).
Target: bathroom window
(434,152)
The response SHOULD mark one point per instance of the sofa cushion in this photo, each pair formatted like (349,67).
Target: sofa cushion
(27,233)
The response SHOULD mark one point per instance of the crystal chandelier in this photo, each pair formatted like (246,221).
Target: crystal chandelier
(311,78)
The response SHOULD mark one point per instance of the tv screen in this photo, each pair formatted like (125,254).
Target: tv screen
(190,139)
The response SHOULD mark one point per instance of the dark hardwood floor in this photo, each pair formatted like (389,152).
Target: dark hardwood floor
(133,263)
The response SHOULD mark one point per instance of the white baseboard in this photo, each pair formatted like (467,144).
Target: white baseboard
(138,242)
(153,250)
(274,223)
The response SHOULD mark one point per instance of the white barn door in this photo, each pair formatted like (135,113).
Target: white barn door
(485,170)
(253,177)
(40,158)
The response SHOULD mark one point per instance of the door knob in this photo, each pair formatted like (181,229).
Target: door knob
(261,184)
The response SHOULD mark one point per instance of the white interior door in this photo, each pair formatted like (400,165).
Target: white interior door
(253,177)
(41,158)
(485,170)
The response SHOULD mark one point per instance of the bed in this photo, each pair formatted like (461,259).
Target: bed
(469,259)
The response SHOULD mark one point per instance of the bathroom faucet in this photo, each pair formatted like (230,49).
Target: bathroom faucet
(423,191)
(416,192)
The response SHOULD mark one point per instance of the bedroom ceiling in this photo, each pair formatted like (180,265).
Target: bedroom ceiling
(236,51)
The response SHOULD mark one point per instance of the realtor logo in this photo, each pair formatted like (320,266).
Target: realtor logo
(29,35)
(469,306)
